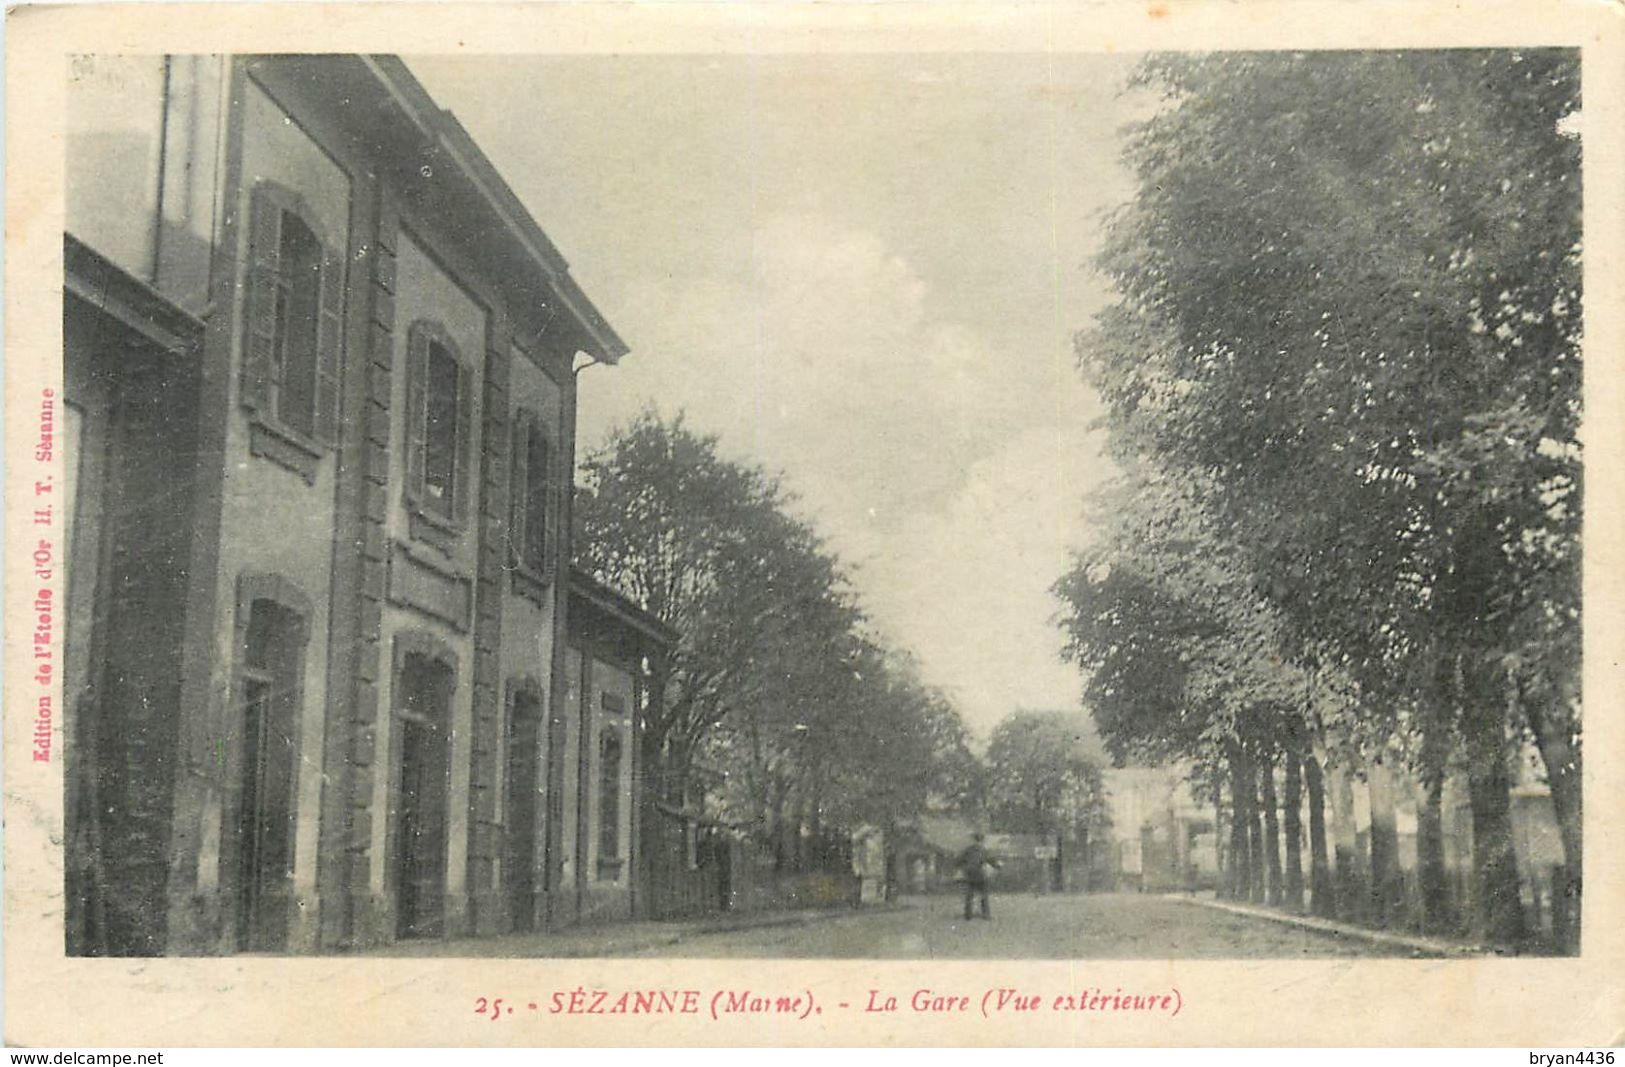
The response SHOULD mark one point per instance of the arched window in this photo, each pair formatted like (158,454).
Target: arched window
(522,802)
(424,687)
(272,634)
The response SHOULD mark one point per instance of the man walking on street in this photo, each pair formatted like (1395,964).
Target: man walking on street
(974,863)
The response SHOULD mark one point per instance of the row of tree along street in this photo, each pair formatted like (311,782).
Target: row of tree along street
(782,717)
(1342,380)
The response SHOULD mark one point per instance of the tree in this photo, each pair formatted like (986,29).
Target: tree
(778,710)
(1184,657)
(1349,300)
(708,547)
(1041,779)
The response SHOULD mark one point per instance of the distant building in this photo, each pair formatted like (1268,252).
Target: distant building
(1162,838)
(320,419)
(926,858)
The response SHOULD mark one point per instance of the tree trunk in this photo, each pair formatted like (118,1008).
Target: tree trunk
(1255,836)
(679,761)
(1430,866)
(1322,896)
(1272,828)
(1497,909)
(1349,891)
(798,838)
(1431,870)
(1562,760)
(1240,877)
(775,823)
(1386,885)
(1291,808)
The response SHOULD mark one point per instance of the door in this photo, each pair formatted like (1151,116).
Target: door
(265,809)
(423,706)
(520,810)
(553,858)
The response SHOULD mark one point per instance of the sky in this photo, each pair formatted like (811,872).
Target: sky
(864,272)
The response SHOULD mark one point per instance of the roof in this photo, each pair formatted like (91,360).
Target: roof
(98,281)
(423,146)
(619,608)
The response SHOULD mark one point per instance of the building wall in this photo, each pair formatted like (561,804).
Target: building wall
(140,132)
(529,614)
(340,533)
(273,521)
(145,131)
(421,573)
(571,870)
(1152,812)
(129,554)
(80,468)
(607,890)
(114,126)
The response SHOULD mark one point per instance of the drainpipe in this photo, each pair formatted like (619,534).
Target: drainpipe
(158,177)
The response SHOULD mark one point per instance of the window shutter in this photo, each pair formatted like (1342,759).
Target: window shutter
(464,469)
(556,486)
(417,409)
(259,314)
(519,486)
(329,349)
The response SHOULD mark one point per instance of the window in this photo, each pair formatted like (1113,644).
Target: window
(299,297)
(440,434)
(609,804)
(534,496)
(293,313)
(439,419)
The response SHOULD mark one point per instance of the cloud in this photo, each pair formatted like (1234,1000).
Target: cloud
(946,466)
(969,585)
(824,359)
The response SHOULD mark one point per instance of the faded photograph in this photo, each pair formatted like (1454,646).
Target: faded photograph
(990,506)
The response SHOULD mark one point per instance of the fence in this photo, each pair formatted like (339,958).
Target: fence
(757,884)
(687,865)
(695,869)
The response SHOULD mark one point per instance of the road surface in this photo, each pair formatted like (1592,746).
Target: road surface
(1118,926)
(1108,926)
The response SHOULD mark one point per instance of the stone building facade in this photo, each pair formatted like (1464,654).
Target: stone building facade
(319,374)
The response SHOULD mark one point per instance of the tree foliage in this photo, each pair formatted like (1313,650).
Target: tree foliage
(779,708)
(1041,777)
(1345,362)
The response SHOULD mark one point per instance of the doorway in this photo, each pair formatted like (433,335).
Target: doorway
(423,713)
(264,826)
(520,809)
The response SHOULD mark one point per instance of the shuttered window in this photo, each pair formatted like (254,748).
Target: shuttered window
(534,496)
(440,421)
(293,317)
(440,432)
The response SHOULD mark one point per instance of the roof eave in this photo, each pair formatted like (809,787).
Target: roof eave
(450,137)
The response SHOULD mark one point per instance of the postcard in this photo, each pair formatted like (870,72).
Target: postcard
(787,524)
